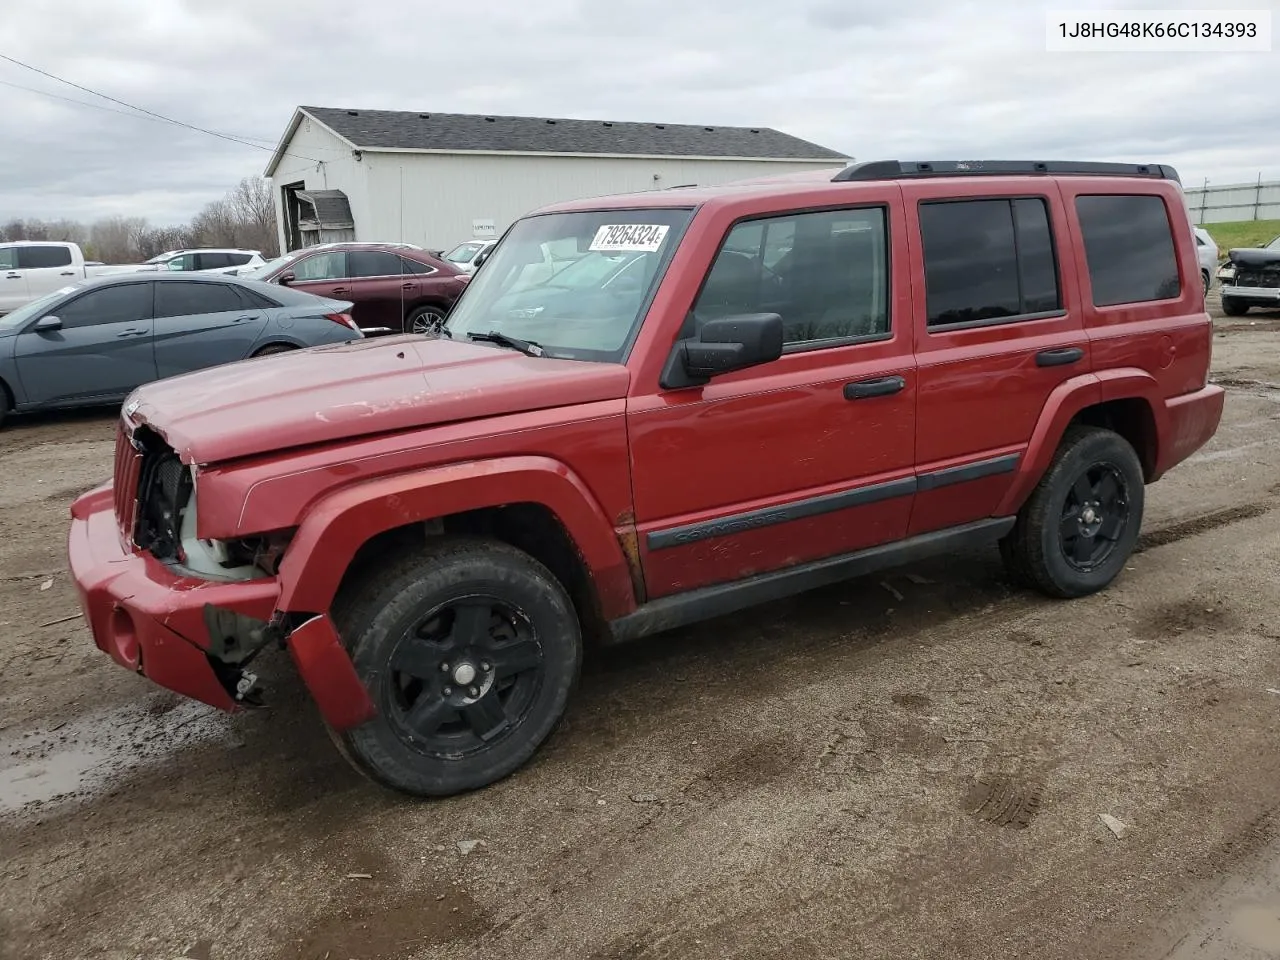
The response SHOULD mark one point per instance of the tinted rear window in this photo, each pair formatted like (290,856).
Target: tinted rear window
(176,298)
(1128,242)
(35,258)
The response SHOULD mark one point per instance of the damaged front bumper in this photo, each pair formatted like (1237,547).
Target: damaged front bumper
(195,636)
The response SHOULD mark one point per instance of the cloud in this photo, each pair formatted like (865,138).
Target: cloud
(926,79)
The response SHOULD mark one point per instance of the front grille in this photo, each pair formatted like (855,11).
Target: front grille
(124,482)
(164,486)
(1268,276)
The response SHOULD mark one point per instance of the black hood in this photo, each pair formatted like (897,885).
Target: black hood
(1253,257)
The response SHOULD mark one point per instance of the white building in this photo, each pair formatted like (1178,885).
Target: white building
(437,179)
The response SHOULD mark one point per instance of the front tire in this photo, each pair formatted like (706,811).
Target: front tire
(1207,280)
(1078,528)
(1234,308)
(469,649)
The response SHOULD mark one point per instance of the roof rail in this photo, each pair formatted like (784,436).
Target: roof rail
(922,169)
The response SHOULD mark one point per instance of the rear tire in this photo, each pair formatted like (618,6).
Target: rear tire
(470,649)
(1208,281)
(275,348)
(1078,528)
(1234,308)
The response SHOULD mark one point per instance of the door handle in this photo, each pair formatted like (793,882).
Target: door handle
(406,286)
(67,273)
(341,289)
(131,333)
(13,276)
(880,387)
(1059,356)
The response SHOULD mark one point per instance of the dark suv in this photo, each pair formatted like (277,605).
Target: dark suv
(393,287)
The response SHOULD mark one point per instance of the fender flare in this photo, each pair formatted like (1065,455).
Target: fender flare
(1063,404)
(336,526)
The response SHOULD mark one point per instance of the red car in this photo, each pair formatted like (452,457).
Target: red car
(394,288)
(734,394)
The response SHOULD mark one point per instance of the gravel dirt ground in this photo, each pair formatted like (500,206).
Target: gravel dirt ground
(911,765)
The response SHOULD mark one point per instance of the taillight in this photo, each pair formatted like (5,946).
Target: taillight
(344,319)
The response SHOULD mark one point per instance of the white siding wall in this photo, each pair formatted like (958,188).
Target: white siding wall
(443,193)
(323,162)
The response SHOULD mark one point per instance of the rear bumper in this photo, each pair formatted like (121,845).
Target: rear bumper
(144,616)
(1191,420)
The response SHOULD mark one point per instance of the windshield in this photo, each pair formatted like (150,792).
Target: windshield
(586,309)
(30,311)
(1274,244)
(260,271)
(463,252)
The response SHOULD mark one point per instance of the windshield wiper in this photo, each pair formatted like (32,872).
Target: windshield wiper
(527,347)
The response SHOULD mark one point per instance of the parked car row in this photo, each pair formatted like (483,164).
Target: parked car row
(29,269)
(393,288)
(94,341)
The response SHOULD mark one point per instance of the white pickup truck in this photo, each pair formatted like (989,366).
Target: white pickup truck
(31,268)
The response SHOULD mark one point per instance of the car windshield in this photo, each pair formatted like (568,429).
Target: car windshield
(260,271)
(1274,244)
(586,310)
(29,311)
(463,252)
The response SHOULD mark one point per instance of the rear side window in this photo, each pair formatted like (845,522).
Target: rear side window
(413,266)
(1128,243)
(212,261)
(987,260)
(181,299)
(35,258)
(373,263)
(236,259)
(254,300)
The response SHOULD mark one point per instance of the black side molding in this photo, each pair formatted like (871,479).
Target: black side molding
(667,613)
(768,516)
(969,471)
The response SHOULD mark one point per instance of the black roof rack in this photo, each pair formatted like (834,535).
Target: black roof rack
(921,169)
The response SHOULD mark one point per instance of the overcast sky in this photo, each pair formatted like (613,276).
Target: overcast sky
(873,78)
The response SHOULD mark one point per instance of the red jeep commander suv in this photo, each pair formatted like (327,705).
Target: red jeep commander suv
(747,391)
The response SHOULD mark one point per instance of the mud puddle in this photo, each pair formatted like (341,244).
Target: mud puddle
(79,760)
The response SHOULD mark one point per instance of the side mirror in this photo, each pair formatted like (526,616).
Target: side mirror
(722,346)
(47,325)
(286,278)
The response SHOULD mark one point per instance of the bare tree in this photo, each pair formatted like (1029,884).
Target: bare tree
(255,214)
(245,217)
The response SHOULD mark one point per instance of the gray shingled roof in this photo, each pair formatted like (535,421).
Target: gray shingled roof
(409,130)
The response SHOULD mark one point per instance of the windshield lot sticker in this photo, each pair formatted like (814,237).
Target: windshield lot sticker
(630,237)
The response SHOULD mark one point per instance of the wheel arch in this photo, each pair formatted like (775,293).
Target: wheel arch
(555,519)
(1124,400)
